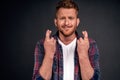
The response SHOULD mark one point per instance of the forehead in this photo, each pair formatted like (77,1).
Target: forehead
(66,12)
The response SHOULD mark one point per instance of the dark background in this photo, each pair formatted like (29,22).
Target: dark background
(23,23)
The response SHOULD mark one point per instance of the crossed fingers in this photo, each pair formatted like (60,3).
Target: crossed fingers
(85,36)
(48,35)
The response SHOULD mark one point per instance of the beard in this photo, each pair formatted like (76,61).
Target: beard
(67,35)
(67,30)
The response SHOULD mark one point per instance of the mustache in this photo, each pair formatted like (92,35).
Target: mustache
(66,26)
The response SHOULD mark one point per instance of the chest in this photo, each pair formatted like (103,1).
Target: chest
(58,65)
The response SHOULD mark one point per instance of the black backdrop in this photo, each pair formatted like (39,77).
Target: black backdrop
(23,23)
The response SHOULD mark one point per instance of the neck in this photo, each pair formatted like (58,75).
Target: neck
(67,39)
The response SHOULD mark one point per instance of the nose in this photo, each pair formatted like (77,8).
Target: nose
(66,21)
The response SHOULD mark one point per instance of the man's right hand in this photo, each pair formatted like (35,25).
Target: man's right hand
(49,45)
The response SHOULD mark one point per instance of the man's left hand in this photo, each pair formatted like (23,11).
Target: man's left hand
(83,45)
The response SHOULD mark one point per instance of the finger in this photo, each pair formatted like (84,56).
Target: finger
(85,34)
(52,39)
(80,40)
(48,33)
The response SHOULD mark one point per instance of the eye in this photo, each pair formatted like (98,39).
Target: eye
(71,18)
(62,18)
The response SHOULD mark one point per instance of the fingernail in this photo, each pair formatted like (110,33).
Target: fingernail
(83,32)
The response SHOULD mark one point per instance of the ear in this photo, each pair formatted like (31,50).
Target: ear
(78,21)
(55,22)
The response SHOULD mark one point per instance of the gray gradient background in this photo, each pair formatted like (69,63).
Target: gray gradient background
(25,22)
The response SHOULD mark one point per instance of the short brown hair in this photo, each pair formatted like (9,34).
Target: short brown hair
(67,4)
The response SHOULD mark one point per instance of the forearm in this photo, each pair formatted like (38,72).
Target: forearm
(46,68)
(86,69)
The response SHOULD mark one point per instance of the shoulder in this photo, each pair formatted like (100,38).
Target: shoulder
(40,42)
(93,49)
(92,41)
(39,45)
(39,48)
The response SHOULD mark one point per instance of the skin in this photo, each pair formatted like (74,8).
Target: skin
(66,22)
(50,47)
(83,45)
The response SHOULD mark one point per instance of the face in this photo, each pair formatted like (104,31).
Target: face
(66,21)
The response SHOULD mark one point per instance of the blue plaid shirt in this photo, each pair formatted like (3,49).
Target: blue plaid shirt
(57,69)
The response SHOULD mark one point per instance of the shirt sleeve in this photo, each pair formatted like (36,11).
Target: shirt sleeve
(94,59)
(38,58)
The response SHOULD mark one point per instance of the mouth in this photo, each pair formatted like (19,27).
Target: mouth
(66,27)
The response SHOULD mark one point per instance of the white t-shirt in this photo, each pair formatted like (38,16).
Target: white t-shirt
(68,59)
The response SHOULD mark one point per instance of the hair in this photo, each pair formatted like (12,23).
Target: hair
(67,4)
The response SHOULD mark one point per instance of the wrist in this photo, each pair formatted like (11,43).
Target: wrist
(49,58)
(83,56)
(49,55)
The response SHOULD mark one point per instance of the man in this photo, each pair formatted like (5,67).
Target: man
(66,55)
